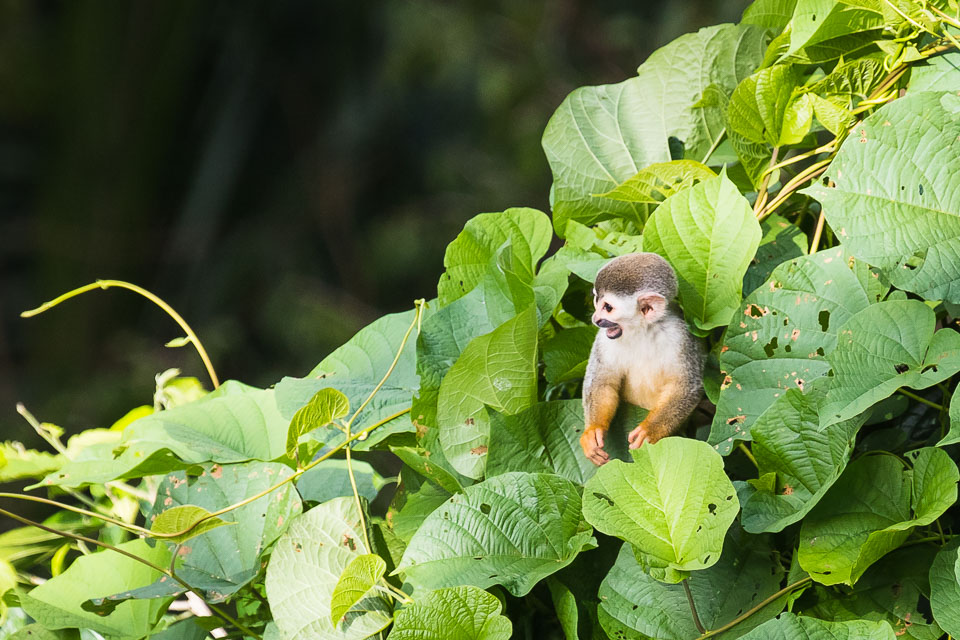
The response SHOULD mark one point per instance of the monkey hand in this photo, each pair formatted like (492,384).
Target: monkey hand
(592,443)
(640,435)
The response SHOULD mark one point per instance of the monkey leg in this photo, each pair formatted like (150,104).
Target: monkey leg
(674,404)
(599,407)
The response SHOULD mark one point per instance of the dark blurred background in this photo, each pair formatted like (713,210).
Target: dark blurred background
(282,173)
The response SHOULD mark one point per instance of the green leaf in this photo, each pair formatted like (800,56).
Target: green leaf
(355,369)
(709,234)
(467,258)
(57,603)
(939,73)
(780,337)
(234,424)
(222,560)
(183,517)
(674,505)
(953,435)
(330,479)
(18,462)
(894,589)
(324,407)
(655,183)
(766,109)
(884,347)
(792,627)
(871,510)
(565,355)
(635,605)
(781,241)
(419,461)
(456,613)
(891,200)
(830,24)
(543,438)
(498,370)
(945,588)
(601,136)
(514,529)
(797,461)
(770,14)
(416,508)
(305,566)
(357,579)
(565,605)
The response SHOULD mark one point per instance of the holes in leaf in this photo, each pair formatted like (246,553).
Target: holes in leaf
(928,368)
(706,559)
(712,508)
(485,509)
(824,319)
(901,368)
(770,347)
(920,187)
(605,498)
(787,348)
(820,351)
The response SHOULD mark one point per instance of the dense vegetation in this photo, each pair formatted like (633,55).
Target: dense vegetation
(800,172)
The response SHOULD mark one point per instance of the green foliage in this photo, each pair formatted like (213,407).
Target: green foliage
(799,172)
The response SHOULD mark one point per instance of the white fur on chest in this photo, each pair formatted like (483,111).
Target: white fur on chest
(644,358)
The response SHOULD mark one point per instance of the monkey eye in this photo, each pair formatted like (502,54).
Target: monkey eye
(607,307)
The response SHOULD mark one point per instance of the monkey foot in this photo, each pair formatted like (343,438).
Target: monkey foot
(639,436)
(592,443)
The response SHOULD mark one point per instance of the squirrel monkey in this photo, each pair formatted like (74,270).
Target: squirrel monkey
(643,353)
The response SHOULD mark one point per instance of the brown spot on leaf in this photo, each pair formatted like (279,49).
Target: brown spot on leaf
(216,471)
(479,451)
(736,419)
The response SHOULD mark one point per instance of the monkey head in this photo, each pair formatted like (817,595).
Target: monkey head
(632,292)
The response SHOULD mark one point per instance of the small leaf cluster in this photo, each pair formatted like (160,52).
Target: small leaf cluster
(800,171)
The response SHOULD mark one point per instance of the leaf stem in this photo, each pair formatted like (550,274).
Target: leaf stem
(920,399)
(809,173)
(43,433)
(817,233)
(693,607)
(746,451)
(787,589)
(713,147)
(762,193)
(79,538)
(106,284)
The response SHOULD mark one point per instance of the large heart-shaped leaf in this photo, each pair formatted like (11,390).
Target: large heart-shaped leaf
(892,198)
(455,613)
(631,602)
(514,529)
(673,504)
(221,561)
(306,564)
(56,604)
(797,461)
(709,234)
(827,24)
(882,348)
(498,370)
(871,510)
(234,424)
(765,108)
(781,335)
(619,129)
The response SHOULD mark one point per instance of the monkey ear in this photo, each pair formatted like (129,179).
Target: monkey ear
(651,305)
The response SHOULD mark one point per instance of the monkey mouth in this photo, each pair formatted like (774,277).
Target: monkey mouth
(614,332)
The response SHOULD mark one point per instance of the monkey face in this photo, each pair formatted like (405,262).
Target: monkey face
(614,312)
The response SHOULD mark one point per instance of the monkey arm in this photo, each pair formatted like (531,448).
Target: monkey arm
(599,406)
(675,403)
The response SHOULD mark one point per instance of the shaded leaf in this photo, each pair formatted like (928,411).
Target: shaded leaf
(792,627)
(330,479)
(945,588)
(514,529)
